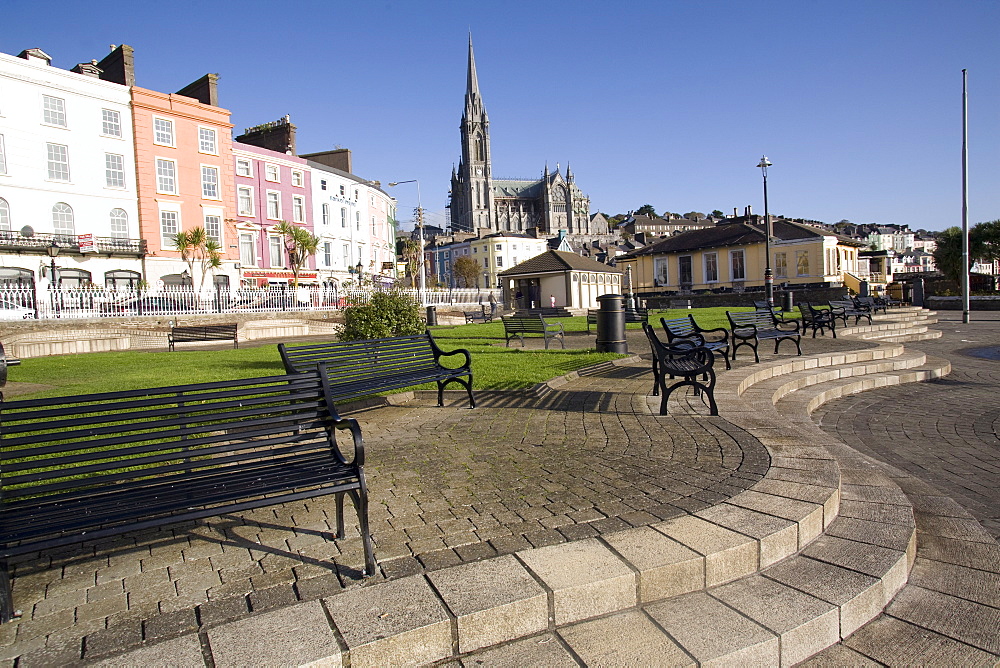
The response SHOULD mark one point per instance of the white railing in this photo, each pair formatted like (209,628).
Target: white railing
(26,303)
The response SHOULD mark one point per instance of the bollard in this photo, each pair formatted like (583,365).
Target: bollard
(917,298)
(432,316)
(611,325)
(787,301)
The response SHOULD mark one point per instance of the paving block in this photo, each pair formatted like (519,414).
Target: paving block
(538,651)
(827,497)
(897,643)
(965,621)
(180,652)
(778,538)
(804,623)
(839,656)
(298,634)
(890,566)
(636,642)
(859,597)
(968,583)
(666,568)
(392,623)
(714,634)
(728,555)
(585,577)
(808,516)
(494,601)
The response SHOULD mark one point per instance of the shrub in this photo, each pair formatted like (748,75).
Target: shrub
(386,314)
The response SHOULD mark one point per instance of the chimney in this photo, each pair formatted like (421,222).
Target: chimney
(339,158)
(119,65)
(276,135)
(88,69)
(205,90)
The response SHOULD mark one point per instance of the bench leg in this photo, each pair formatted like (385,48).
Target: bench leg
(6,597)
(340,515)
(360,499)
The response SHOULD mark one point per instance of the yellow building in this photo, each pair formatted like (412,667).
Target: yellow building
(730,257)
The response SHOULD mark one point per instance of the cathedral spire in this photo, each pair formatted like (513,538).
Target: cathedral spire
(473,100)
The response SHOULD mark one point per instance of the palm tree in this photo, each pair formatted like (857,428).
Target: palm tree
(301,245)
(410,250)
(196,246)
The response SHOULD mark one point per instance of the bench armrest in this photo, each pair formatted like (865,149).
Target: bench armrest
(716,330)
(559,329)
(778,325)
(359,446)
(438,353)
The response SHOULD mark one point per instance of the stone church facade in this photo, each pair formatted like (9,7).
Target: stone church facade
(482,204)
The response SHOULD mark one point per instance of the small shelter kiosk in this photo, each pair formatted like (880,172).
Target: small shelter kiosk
(573,281)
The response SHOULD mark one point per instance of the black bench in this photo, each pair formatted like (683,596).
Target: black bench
(687,362)
(846,308)
(361,368)
(5,363)
(92,466)
(686,329)
(631,315)
(818,320)
(190,334)
(519,325)
(749,328)
(478,316)
(872,304)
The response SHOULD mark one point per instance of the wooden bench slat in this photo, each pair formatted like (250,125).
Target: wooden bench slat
(194,333)
(751,327)
(686,329)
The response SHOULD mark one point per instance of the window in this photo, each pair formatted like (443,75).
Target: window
(4,214)
(738,264)
(166,176)
(326,214)
(169,227)
(271,173)
(114,170)
(3,157)
(53,110)
(58,156)
(711,267)
(374,225)
(244,200)
(163,132)
(343,217)
(273,205)
(499,247)
(298,208)
(802,263)
(357,220)
(206,141)
(322,184)
(297,180)
(62,219)
(343,191)
(684,273)
(213,227)
(781,265)
(327,254)
(499,261)
(243,167)
(119,224)
(347,255)
(660,275)
(111,123)
(248,253)
(277,251)
(209,182)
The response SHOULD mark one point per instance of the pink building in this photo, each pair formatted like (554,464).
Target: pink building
(270,187)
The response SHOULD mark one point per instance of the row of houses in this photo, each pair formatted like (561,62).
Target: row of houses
(98,175)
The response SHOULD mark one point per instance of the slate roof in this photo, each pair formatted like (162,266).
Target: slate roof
(736,234)
(552,260)
(516,188)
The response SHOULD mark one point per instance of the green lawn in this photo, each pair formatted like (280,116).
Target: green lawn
(493,365)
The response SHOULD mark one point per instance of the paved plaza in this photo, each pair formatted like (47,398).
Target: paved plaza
(523,471)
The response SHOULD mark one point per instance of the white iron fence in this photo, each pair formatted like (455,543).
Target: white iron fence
(24,303)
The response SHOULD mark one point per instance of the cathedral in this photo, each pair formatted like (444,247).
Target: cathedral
(484,205)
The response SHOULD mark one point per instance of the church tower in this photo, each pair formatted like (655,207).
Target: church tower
(472,203)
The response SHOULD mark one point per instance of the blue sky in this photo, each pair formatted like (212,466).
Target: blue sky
(857,104)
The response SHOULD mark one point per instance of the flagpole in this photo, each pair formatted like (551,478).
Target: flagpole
(966,267)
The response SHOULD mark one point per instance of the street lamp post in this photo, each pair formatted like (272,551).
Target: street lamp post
(420,234)
(53,250)
(768,275)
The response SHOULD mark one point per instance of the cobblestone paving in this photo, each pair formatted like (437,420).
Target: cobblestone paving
(946,432)
(447,485)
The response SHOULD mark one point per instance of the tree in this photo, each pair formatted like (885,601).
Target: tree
(386,314)
(198,249)
(409,250)
(467,270)
(718,214)
(646,210)
(694,215)
(300,244)
(984,244)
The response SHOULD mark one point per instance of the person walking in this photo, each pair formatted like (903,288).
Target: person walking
(552,301)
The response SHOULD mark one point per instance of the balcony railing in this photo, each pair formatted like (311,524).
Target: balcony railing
(12,240)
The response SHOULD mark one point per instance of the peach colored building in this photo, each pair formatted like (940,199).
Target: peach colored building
(185,177)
